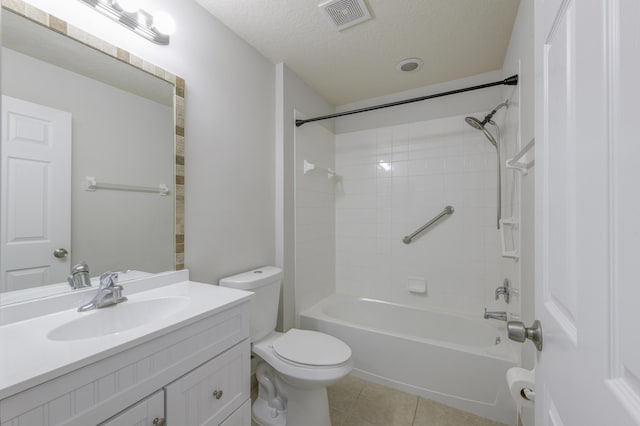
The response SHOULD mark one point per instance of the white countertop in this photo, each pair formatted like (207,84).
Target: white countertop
(28,357)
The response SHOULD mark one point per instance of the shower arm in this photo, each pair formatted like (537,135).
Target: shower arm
(488,117)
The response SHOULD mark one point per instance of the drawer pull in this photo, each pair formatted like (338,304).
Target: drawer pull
(158,421)
(217,394)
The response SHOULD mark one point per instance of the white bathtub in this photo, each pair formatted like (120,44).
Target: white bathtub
(452,359)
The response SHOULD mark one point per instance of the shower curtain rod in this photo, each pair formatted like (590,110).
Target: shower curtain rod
(509,81)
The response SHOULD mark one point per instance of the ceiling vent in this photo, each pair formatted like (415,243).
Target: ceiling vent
(345,13)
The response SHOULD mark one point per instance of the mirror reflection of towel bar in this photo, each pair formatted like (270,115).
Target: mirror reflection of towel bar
(91,185)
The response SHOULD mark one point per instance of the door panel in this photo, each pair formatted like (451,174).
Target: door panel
(560,288)
(625,206)
(35,194)
(588,211)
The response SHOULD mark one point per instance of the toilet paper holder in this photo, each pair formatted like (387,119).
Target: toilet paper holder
(517,331)
(528,394)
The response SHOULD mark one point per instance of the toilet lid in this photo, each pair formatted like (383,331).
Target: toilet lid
(311,348)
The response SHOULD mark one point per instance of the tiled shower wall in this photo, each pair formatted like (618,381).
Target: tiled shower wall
(394,179)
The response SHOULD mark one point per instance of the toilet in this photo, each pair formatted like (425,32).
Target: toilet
(295,367)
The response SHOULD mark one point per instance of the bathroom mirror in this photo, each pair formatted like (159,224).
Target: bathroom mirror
(109,191)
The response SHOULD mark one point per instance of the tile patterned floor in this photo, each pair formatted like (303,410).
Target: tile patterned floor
(357,402)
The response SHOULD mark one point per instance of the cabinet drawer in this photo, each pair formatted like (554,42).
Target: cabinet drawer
(142,413)
(211,392)
(241,417)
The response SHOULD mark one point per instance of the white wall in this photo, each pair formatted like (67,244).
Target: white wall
(293,96)
(315,217)
(119,138)
(229,132)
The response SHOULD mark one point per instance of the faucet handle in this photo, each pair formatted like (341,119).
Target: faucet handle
(117,294)
(79,277)
(505,290)
(108,279)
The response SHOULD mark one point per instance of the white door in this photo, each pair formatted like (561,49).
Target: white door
(588,211)
(35,192)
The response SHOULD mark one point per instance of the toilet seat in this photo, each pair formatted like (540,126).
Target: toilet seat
(295,370)
(311,348)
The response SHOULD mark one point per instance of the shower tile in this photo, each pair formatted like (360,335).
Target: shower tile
(360,186)
(399,168)
(384,169)
(476,163)
(400,153)
(359,171)
(399,185)
(416,167)
(435,165)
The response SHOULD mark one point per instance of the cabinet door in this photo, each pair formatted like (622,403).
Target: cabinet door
(211,392)
(242,416)
(148,412)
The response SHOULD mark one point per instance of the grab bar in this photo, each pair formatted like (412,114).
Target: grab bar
(447,210)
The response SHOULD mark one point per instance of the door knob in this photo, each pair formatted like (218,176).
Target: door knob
(519,333)
(60,253)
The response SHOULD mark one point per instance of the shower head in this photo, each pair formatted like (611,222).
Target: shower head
(479,125)
(474,122)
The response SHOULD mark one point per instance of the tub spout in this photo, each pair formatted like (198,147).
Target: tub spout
(498,315)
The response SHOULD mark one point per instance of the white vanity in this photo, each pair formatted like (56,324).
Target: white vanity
(176,353)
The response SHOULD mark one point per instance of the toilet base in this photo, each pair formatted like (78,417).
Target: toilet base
(306,406)
(264,415)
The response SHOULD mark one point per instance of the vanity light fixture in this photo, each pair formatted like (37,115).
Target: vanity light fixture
(156,28)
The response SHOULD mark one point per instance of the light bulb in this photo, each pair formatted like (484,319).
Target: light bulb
(129,6)
(163,23)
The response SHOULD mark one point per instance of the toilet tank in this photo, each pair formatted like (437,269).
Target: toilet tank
(265,284)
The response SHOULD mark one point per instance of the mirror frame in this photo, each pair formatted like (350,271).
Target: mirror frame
(58,25)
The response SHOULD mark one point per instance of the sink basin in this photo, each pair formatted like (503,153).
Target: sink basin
(118,318)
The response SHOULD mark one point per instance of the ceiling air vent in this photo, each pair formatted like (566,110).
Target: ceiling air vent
(345,13)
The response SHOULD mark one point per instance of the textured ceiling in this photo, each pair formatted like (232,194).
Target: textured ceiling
(455,38)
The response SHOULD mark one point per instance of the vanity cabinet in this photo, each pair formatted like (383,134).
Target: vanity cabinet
(149,411)
(211,392)
(197,374)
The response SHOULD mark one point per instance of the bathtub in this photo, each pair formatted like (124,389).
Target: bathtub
(457,360)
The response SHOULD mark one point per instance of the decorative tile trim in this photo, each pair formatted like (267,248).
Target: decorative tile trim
(54,23)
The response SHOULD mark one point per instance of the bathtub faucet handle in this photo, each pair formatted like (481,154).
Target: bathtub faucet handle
(505,290)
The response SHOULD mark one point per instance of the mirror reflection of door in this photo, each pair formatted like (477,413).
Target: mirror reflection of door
(35,197)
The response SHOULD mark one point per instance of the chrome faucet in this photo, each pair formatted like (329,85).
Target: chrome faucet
(79,277)
(505,290)
(498,315)
(109,293)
